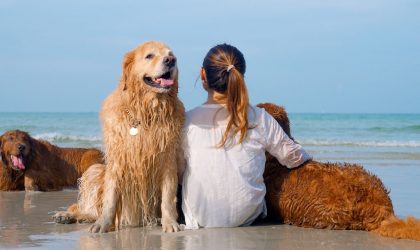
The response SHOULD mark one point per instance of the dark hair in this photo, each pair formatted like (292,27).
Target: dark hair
(225,68)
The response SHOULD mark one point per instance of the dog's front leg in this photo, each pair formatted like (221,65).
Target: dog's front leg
(168,207)
(30,184)
(106,220)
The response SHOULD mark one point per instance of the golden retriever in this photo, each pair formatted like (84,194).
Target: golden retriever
(37,165)
(142,121)
(331,195)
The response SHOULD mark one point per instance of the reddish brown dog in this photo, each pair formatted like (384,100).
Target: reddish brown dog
(30,164)
(331,195)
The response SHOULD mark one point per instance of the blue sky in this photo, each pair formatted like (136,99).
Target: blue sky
(310,56)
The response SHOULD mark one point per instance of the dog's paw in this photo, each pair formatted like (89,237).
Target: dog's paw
(171,227)
(101,226)
(64,218)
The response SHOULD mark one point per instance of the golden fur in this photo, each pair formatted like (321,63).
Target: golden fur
(47,167)
(331,195)
(138,184)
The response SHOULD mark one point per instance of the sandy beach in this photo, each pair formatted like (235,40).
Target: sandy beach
(25,222)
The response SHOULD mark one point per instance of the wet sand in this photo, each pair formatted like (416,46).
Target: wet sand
(25,222)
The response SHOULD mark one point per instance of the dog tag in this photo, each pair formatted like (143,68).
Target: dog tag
(134,131)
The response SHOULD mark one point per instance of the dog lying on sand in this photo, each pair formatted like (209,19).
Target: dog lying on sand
(331,195)
(37,165)
(142,121)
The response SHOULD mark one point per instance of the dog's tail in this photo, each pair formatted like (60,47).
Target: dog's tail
(399,228)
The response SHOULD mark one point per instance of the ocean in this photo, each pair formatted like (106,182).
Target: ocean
(387,145)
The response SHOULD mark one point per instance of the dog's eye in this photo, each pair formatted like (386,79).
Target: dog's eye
(150,56)
(10,138)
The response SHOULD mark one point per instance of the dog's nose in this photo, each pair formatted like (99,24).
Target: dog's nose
(169,61)
(21,147)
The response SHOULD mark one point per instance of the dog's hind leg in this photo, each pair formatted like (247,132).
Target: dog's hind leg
(73,215)
(87,208)
(108,203)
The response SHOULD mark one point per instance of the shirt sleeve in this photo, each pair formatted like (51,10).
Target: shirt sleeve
(278,144)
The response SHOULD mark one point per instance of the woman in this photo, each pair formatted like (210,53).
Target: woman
(225,140)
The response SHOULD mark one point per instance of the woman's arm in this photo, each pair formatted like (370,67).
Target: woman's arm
(287,152)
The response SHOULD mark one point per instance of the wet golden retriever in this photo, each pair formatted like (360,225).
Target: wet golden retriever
(37,165)
(331,195)
(142,121)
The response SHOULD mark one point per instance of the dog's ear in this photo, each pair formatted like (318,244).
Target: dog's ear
(32,147)
(126,69)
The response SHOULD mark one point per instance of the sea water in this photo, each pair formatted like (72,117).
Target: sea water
(62,129)
(370,139)
(388,145)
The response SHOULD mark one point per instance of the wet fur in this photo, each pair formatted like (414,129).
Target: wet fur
(47,167)
(138,184)
(331,195)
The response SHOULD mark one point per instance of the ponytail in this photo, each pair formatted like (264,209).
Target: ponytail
(225,68)
(237,102)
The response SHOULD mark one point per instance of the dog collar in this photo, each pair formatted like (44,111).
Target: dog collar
(133,123)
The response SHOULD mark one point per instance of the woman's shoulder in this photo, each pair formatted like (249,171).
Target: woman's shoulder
(205,114)
(202,114)
(256,114)
(195,112)
(192,111)
(203,108)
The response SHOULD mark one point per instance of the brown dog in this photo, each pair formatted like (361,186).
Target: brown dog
(142,121)
(30,164)
(331,195)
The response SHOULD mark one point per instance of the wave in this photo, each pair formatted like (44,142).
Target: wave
(315,142)
(82,140)
(73,139)
(412,128)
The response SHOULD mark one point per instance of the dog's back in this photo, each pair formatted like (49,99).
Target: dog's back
(33,164)
(331,195)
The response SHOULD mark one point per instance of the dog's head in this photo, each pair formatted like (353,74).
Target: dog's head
(152,67)
(15,149)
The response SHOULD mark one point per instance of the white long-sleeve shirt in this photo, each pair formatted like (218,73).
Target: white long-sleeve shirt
(224,187)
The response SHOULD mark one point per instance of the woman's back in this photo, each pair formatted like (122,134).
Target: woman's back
(224,186)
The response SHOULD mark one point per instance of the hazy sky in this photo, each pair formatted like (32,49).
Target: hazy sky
(310,56)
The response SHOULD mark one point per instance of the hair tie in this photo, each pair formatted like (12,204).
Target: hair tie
(231,66)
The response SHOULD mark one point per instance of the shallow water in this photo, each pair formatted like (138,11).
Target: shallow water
(26,222)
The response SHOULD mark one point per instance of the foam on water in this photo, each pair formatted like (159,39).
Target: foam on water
(412,128)
(57,137)
(326,142)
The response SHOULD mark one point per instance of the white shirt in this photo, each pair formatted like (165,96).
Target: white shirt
(224,187)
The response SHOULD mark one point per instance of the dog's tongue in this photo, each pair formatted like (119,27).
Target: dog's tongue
(165,82)
(17,162)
